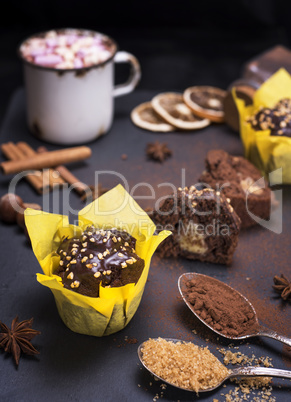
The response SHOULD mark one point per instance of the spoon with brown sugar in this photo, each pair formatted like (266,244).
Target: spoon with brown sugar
(222,308)
(193,368)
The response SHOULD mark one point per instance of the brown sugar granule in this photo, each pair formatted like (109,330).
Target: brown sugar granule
(247,385)
(183,364)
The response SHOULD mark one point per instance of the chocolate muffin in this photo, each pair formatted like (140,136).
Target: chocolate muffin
(237,177)
(105,257)
(204,225)
(277,119)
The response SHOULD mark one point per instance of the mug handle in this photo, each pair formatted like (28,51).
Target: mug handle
(135,73)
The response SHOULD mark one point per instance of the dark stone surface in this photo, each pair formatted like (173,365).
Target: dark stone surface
(78,367)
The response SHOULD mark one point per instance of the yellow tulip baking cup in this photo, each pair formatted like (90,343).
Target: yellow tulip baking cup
(114,308)
(266,151)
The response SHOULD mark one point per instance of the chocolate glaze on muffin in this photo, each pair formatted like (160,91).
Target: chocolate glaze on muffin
(105,257)
(277,119)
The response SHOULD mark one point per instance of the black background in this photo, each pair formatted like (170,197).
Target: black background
(179,43)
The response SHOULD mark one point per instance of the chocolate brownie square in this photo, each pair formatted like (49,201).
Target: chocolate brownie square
(240,181)
(203,223)
(267,63)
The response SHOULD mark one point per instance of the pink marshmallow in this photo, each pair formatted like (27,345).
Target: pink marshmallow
(78,63)
(48,60)
(83,52)
(38,51)
(51,42)
(71,39)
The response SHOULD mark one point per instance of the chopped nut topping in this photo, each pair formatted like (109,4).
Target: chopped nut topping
(84,259)
(97,274)
(70,276)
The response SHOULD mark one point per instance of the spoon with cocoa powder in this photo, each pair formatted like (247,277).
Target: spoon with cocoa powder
(222,308)
(193,368)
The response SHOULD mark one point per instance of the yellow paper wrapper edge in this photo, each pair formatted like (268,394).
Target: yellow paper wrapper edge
(115,307)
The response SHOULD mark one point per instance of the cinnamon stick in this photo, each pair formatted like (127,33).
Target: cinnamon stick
(68,177)
(34,178)
(47,160)
(50,177)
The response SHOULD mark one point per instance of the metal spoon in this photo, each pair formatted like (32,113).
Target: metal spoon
(263,331)
(237,372)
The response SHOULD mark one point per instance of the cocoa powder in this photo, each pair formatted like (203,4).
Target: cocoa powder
(219,306)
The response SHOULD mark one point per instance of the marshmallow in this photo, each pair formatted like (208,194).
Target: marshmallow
(48,60)
(66,50)
(78,63)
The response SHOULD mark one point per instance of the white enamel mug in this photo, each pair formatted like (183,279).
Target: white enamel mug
(74,106)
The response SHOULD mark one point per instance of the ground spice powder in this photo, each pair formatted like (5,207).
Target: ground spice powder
(219,306)
(183,364)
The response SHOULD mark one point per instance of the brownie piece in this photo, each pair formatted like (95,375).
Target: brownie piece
(203,223)
(235,176)
(105,257)
(267,63)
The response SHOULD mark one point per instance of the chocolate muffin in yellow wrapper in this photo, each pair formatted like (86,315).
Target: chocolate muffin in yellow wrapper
(115,306)
(267,150)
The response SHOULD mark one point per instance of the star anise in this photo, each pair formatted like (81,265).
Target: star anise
(283,286)
(97,191)
(17,339)
(158,151)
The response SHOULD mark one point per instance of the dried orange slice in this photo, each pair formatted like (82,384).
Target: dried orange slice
(206,101)
(171,107)
(145,117)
